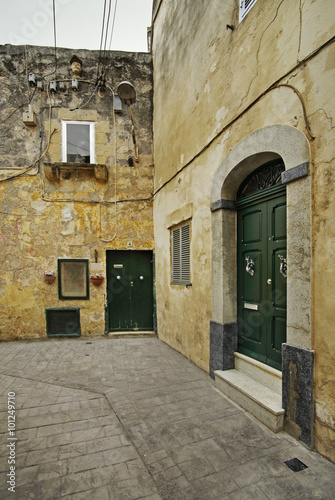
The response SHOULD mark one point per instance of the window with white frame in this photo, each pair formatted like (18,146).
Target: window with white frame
(245,6)
(180,243)
(78,142)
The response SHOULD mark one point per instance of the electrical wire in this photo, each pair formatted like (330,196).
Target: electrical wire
(12,113)
(114,15)
(27,76)
(274,86)
(32,165)
(55,41)
(86,102)
(26,64)
(107,25)
(115,179)
(18,108)
(102,36)
(102,62)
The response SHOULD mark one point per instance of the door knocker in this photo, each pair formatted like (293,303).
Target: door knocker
(283,266)
(250,267)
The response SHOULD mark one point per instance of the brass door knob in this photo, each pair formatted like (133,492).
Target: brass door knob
(269,281)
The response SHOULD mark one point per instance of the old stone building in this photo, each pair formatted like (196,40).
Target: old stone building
(76,185)
(239,210)
(244,203)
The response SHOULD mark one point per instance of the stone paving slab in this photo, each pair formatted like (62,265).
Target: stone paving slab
(127,419)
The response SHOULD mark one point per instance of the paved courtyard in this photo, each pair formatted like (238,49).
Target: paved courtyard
(127,419)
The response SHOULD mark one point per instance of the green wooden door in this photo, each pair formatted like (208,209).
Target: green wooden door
(129,290)
(262,275)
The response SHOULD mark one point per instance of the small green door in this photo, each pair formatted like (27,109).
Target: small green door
(262,275)
(129,290)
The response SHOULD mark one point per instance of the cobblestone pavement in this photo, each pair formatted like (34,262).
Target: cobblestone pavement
(126,419)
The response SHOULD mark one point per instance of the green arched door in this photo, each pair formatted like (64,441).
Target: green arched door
(261,254)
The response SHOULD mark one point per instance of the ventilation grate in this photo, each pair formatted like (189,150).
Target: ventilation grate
(295,464)
(64,322)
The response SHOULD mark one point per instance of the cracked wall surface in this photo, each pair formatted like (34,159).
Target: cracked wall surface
(74,214)
(213,88)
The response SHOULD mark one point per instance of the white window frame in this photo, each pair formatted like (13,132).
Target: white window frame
(64,138)
(244,7)
(181,254)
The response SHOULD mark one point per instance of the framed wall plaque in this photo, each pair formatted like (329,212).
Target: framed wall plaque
(73,279)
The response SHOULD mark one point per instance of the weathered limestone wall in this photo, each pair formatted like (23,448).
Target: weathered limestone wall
(213,88)
(42,220)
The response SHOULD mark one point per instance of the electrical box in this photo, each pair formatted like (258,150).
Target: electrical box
(53,86)
(29,118)
(75,84)
(117,105)
(32,79)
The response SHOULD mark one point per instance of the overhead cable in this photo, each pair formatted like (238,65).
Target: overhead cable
(102,36)
(55,41)
(114,15)
(106,31)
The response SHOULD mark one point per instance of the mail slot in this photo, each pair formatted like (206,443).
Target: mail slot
(253,307)
(118,266)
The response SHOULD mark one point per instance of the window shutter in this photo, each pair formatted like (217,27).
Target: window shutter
(176,263)
(185,253)
(181,255)
(245,6)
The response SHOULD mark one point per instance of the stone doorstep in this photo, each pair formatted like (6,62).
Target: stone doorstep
(131,334)
(260,401)
(260,372)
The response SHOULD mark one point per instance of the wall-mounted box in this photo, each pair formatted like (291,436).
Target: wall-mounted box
(29,119)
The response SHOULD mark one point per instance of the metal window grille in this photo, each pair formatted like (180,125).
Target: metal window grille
(181,255)
(245,6)
(63,322)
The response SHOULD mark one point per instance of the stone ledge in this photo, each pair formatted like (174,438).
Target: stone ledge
(260,372)
(261,402)
(131,334)
(52,170)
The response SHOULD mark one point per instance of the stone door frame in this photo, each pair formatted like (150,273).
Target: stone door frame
(267,144)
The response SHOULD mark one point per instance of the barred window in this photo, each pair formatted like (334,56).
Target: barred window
(181,255)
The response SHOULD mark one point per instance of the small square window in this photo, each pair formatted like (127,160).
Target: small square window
(180,240)
(78,142)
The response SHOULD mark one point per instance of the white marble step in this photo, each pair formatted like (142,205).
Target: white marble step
(264,374)
(262,402)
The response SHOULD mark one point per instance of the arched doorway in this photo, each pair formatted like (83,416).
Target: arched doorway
(261,264)
(264,145)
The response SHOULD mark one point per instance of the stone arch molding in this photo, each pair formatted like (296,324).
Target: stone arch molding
(263,145)
(259,147)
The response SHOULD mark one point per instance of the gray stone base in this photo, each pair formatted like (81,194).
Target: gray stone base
(298,392)
(223,344)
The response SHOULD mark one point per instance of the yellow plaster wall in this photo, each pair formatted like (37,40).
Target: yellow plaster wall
(213,88)
(42,221)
